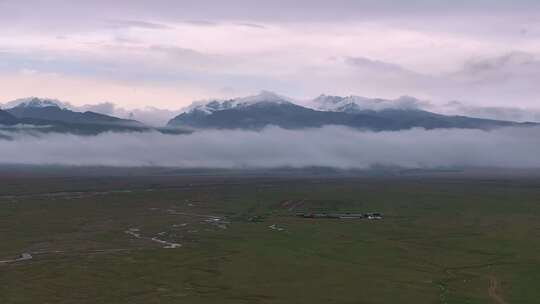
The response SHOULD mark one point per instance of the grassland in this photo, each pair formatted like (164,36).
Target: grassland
(444,239)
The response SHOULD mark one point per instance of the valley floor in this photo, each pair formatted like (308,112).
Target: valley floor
(218,238)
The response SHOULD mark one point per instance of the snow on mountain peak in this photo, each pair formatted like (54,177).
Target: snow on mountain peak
(34,102)
(358,103)
(264,96)
(209,107)
(327,103)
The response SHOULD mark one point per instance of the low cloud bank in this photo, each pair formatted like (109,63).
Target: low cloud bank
(148,115)
(500,113)
(337,147)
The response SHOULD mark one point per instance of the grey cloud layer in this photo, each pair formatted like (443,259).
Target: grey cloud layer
(500,81)
(331,146)
(261,10)
(489,112)
(137,24)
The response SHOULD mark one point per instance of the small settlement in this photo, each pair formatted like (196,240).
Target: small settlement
(369,216)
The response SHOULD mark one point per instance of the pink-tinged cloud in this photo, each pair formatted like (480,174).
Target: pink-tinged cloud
(167,53)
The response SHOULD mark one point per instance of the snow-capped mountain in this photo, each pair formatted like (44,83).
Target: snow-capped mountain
(266,109)
(353,104)
(35,102)
(209,107)
(57,118)
(256,112)
(54,111)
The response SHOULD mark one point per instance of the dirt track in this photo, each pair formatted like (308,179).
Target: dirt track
(494,290)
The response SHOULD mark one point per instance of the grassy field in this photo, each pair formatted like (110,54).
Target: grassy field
(444,239)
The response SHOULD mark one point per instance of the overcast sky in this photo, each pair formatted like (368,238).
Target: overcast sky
(166,53)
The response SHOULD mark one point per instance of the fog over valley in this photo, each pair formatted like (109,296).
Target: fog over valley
(337,147)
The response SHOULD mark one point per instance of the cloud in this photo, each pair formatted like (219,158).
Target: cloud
(364,63)
(107,108)
(333,103)
(382,48)
(509,80)
(151,116)
(301,10)
(506,67)
(500,113)
(252,25)
(201,23)
(138,24)
(148,115)
(273,147)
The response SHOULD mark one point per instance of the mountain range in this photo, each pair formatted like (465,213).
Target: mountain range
(36,109)
(267,109)
(45,115)
(252,113)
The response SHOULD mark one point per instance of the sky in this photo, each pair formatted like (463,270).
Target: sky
(165,54)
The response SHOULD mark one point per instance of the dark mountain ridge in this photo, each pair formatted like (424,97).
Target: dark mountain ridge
(7,119)
(54,113)
(45,116)
(267,110)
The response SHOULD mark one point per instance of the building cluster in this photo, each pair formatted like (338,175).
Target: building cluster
(369,216)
